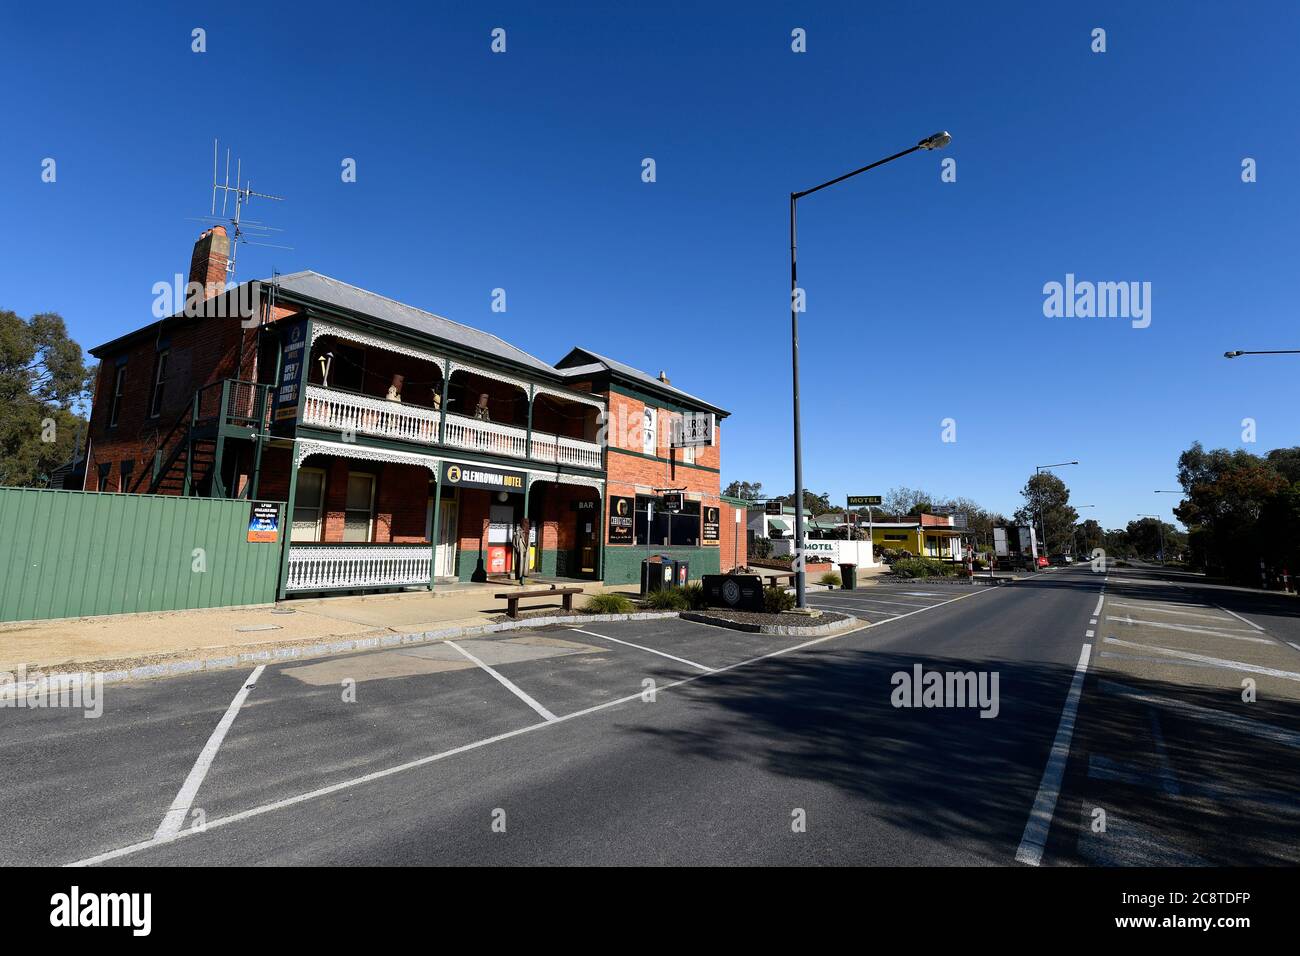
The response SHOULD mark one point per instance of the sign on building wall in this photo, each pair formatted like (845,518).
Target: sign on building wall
(264,522)
(480,476)
(774,507)
(293,372)
(693,429)
(711,524)
(621,511)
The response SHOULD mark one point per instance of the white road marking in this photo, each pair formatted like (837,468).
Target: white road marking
(506,683)
(477,744)
(174,819)
(1221,718)
(1104,768)
(1092,620)
(1189,629)
(648,650)
(1049,788)
(1164,610)
(1089,633)
(1240,618)
(911,604)
(1295,645)
(859,609)
(1205,659)
(1097,610)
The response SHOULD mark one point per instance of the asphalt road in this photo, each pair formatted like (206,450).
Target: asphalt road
(672,742)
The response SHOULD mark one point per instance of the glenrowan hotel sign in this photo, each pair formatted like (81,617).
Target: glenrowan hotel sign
(473,476)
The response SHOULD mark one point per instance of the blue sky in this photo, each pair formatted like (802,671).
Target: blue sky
(523,171)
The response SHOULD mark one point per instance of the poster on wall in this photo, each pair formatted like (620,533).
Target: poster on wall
(264,522)
(709,517)
(620,520)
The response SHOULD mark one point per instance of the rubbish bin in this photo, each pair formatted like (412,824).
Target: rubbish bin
(849,576)
(656,573)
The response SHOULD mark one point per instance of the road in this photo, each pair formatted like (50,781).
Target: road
(670,742)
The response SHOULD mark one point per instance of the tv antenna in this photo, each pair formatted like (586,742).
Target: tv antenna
(251,232)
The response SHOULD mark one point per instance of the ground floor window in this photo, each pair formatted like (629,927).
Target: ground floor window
(308,500)
(655,525)
(357,523)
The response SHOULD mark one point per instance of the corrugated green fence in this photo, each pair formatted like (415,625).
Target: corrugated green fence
(76,553)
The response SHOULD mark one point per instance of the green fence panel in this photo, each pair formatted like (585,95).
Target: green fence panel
(77,553)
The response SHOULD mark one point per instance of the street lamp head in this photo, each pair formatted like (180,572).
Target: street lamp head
(1232,354)
(937,141)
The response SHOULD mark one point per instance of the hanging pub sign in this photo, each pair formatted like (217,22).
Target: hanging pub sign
(709,515)
(481,476)
(264,522)
(620,520)
(673,501)
(774,507)
(293,370)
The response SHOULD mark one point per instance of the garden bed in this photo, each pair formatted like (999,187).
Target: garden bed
(785,624)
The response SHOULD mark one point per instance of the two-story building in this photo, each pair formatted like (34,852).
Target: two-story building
(412,449)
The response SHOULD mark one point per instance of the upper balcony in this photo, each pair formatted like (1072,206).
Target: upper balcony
(366,389)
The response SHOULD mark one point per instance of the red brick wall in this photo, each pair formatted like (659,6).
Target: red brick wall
(735,547)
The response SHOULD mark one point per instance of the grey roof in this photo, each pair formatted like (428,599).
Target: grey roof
(602,363)
(330,291)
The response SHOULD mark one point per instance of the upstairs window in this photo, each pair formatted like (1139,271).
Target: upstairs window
(119,386)
(159,383)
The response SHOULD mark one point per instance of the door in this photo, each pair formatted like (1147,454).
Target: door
(586,543)
(445,556)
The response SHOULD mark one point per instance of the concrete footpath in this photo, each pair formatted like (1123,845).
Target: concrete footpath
(126,641)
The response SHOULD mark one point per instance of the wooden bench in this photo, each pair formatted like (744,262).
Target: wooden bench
(774,577)
(512,598)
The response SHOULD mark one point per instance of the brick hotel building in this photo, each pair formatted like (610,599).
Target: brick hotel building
(412,449)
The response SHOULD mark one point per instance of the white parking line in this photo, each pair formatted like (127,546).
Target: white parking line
(488,741)
(1049,788)
(859,609)
(1240,618)
(174,819)
(1189,629)
(648,650)
(1097,610)
(1221,718)
(1163,610)
(506,683)
(1205,659)
(877,601)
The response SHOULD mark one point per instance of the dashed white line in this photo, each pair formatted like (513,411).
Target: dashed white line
(1049,788)
(1239,617)
(507,683)
(180,808)
(1189,629)
(648,650)
(1100,600)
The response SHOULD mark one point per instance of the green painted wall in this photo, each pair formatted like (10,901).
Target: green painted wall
(623,562)
(78,553)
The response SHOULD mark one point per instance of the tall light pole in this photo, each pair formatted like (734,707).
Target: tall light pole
(1162,491)
(1239,352)
(1077,508)
(937,141)
(1039,469)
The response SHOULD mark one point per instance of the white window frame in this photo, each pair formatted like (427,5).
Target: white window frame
(159,381)
(115,402)
(320,509)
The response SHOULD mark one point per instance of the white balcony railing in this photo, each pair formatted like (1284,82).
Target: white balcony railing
(565,451)
(331,567)
(491,438)
(367,415)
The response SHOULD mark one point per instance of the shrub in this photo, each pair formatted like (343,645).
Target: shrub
(608,604)
(669,599)
(776,600)
(831,579)
(922,568)
(760,548)
(695,599)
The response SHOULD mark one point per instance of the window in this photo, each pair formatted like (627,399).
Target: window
(159,382)
(104,468)
(119,385)
(308,499)
(126,467)
(356,516)
(666,528)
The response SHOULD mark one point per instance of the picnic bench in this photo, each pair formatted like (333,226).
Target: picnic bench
(774,577)
(512,598)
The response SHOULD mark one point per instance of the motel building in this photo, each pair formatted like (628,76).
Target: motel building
(413,450)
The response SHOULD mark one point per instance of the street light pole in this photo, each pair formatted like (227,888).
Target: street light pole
(1238,352)
(1042,524)
(937,141)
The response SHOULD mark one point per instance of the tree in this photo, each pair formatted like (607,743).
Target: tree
(1090,536)
(1047,506)
(1150,538)
(906,501)
(812,504)
(43,381)
(744,489)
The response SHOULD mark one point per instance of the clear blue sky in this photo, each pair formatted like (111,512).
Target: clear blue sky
(522,171)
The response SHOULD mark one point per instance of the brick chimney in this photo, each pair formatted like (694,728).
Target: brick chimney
(663,377)
(208,264)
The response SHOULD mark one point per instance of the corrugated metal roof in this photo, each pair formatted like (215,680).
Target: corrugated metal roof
(332,291)
(627,371)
